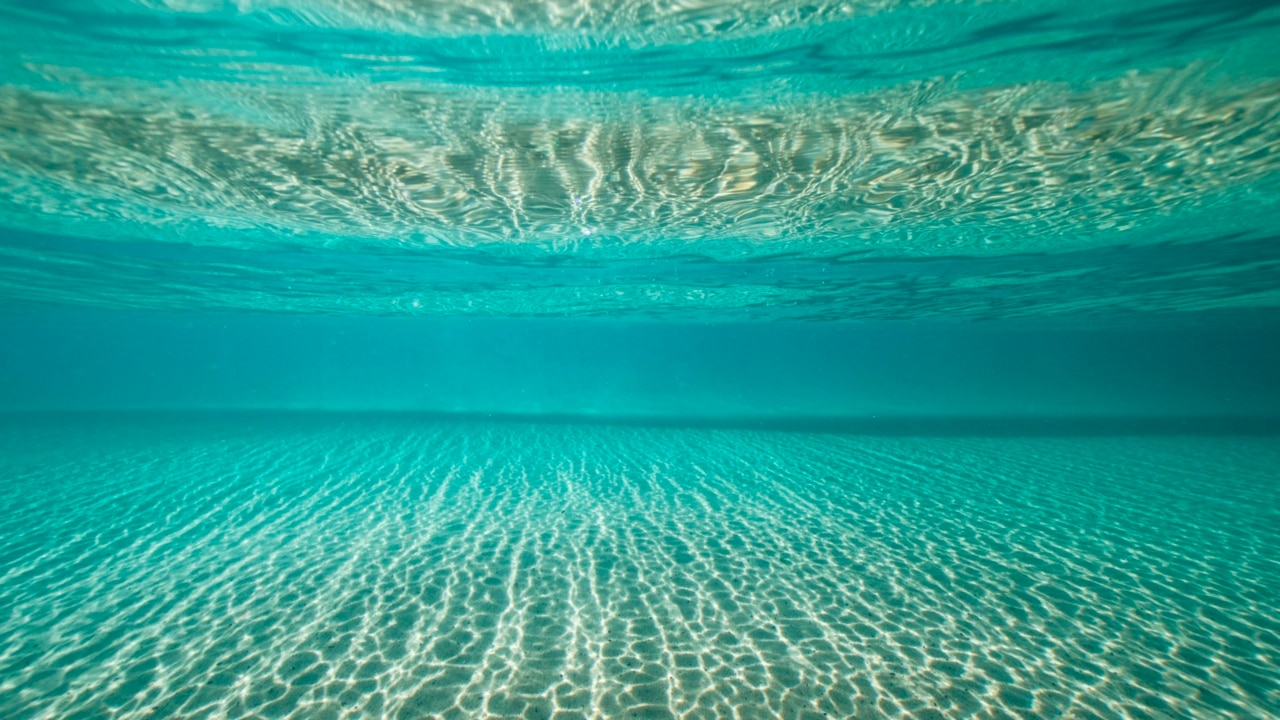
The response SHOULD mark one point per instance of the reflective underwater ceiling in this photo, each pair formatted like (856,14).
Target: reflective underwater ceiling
(849,160)
(699,359)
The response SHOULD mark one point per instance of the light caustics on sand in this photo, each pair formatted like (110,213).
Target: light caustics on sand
(415,570)
(593,134)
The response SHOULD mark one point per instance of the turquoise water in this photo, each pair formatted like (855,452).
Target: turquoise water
(689,161)
(639,358)
(392,567)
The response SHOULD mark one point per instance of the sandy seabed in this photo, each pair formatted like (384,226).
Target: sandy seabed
(410,569)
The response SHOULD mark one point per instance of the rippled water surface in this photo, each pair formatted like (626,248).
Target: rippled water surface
(759,159)
(753,359)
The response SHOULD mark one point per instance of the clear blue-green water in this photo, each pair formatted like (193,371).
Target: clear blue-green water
(639,358)
(392,567)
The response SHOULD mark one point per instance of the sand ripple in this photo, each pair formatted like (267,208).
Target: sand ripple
(394,569)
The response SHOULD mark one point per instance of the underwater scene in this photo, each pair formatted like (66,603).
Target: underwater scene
(594,359)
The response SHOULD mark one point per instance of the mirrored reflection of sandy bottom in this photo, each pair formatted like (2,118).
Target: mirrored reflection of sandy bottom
(417,570)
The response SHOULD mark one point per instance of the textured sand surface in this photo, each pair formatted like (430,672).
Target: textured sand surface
(391,568)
